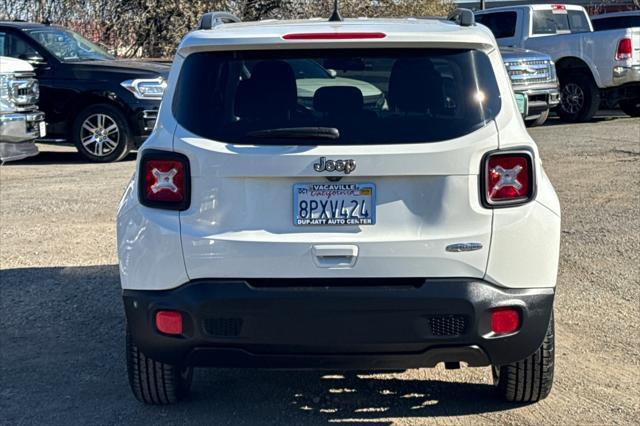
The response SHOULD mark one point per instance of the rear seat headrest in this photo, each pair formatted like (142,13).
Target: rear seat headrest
(415,86)
(270,92)
(338,99)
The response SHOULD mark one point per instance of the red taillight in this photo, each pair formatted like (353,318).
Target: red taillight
(169,322)
(624,49)
(508,179)
(333,36)
(164,180)
(505,320)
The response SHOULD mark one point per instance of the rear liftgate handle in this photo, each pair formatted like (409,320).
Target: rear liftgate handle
(335,256)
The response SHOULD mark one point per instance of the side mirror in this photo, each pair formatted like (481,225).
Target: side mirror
(332,73)
(110,50)
(34,59)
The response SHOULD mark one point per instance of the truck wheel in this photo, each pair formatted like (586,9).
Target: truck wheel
(154,382)
(538,121)
(101,134)
(631,107)
(530,379)
(579,98)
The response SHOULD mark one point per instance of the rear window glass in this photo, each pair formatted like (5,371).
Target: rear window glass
(616,22)
(552,22)
(302,97)
(548,22)
(501,24)
(578,22)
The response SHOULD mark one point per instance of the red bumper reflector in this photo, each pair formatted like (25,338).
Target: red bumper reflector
(169,322)
(505,320)
(332,36)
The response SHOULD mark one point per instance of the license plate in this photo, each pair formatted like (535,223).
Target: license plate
(521,100)
(43,129)
(334,204)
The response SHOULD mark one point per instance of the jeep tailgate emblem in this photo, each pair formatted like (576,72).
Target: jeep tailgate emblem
(345,166)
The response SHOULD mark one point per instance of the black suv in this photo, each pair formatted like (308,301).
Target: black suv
(103,105)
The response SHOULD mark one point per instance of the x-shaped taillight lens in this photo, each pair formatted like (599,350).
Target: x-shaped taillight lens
(508,178)
(164,180)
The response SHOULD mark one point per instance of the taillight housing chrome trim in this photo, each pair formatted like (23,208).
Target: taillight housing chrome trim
(484,178)
(159,155)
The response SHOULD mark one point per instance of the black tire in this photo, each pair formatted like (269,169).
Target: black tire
(107,150)
(631,107)
(531,379)
(538,121)
(579,97)
(154,382)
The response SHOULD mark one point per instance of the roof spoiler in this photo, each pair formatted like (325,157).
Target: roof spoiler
(212,19)
(462,17)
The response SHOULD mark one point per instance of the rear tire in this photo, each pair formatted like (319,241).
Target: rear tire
(579,97)
(631,107)
(538,121)
(531,379)
(154,382)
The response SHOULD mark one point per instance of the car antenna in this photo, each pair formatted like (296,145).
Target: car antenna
(335,16)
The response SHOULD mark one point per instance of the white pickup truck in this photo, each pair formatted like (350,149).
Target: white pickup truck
(20,121)
(591,66)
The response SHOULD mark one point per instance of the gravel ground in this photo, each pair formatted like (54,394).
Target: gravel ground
(61,334)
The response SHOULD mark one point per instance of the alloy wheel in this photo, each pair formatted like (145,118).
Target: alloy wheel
(572,99)
(99,134)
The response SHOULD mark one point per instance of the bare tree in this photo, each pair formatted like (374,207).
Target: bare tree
(153,28)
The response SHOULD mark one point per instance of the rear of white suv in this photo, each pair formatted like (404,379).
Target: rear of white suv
(351,195)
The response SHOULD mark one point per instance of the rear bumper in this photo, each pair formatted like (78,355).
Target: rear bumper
(626,74)
(362,324)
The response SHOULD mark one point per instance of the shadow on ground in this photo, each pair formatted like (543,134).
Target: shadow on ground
(46,157)
(601,117)
(62,341)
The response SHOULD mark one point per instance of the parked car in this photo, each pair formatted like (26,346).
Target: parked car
(20,121)
(262,232)
(591,66)
(311,76)
(103,105)
(533,74)
(616,21)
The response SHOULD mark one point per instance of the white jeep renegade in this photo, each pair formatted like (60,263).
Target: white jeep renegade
(357,194)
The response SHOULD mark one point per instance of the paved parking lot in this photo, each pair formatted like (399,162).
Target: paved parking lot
(61,320)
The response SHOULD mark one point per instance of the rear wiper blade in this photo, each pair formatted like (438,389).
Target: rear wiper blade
(297,133)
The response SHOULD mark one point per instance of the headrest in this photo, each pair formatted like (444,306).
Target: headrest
(338,99)
(415,86)
(271,92)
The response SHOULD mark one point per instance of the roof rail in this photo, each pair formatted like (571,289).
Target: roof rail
(212,19)
(462,17)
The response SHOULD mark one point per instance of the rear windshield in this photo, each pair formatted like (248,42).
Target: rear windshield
(304,97)
(616,22)
(561,21)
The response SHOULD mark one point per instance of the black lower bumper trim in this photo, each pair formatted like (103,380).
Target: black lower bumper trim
(233,357)
(230,323)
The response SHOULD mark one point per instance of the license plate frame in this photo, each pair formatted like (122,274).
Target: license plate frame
(332,207)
